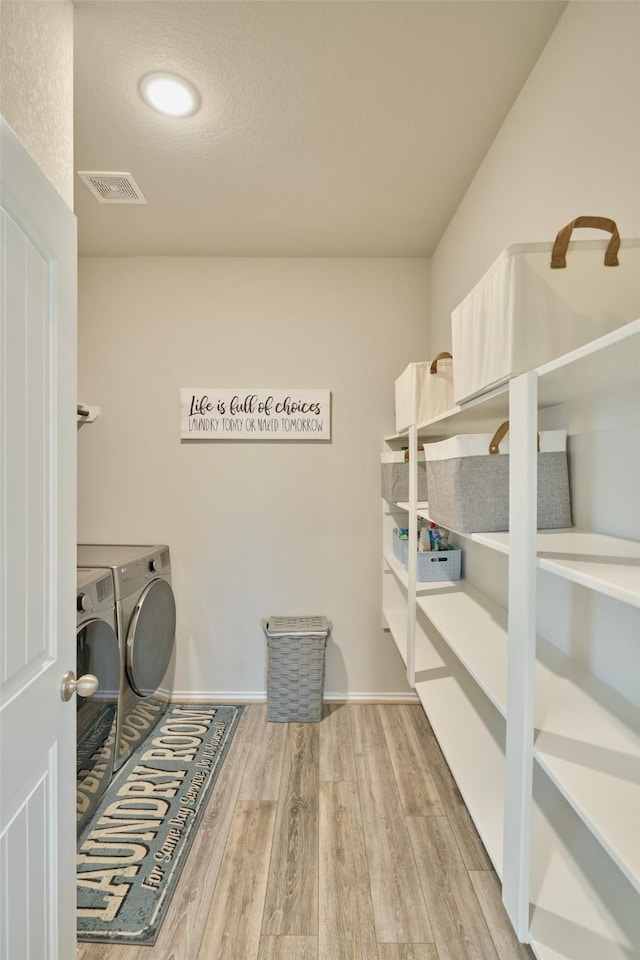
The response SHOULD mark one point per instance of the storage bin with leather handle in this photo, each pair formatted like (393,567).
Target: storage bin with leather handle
(538,301)
(468,480)
(424,391)
(394,476)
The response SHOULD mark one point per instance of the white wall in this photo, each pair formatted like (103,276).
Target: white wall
(255,528)
(569,146)
(36,83)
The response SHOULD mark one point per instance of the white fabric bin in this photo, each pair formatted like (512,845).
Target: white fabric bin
(523,312)
(395,476)
(469,486)
(424,390)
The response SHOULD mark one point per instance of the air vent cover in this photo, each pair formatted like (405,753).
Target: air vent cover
(112,187)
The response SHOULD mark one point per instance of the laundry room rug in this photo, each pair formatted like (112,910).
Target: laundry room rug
(131,852)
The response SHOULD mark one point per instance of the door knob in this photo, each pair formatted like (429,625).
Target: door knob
(84,686)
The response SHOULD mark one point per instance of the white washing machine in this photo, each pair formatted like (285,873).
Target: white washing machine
(98,653)
(146,628)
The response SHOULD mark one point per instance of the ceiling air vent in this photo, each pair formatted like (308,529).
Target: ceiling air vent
(112,187)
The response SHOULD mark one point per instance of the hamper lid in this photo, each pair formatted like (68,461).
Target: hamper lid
(311,626)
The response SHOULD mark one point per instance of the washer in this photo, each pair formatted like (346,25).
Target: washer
(146,627)
(98,653)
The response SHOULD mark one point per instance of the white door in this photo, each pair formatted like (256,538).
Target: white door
(37,561)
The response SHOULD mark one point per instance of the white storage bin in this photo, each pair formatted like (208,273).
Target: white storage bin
(424,391)
(524,312)
(469,485)
(395,476)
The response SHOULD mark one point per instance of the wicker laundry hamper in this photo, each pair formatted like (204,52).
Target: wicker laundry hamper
(295,684)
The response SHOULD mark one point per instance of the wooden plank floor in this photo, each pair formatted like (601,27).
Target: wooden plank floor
(344,840)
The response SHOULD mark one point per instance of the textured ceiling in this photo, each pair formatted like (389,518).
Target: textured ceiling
(326,129)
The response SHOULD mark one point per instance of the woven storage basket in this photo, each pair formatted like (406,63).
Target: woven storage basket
(296,668)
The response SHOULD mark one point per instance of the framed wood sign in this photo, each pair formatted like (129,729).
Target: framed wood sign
(223,413)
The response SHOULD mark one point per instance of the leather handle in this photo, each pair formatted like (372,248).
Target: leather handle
(559,252)
(499,435)
(434,363)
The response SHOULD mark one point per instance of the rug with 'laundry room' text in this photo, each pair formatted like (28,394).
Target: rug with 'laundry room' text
(131,852)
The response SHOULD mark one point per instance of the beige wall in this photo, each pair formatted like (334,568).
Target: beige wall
(255,528)
(36,83)
(569,146)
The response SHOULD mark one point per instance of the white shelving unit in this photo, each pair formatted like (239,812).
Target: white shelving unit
(546,754)
(395,583)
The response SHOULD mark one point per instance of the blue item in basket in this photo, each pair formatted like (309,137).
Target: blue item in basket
(434,536)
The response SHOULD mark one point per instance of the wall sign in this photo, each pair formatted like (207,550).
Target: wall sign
(214,413)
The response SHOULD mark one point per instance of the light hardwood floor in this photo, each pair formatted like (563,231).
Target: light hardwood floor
(343,840)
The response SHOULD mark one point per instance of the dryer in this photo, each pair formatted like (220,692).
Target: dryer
(98,653)
(146,626)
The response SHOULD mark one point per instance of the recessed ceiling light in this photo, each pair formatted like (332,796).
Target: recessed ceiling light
(169,94)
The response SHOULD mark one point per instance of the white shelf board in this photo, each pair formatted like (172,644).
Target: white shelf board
(584,372)
(475,628)
(475,759)
(593,757)
(570,917)
(396,567)
(422,506)
(391,508)
(582,745)
(606,564)
(392,437)
(495,541)
(610,363)
(469,416)
(397,623)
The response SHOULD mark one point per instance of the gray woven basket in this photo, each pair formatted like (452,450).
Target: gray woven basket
(296,668)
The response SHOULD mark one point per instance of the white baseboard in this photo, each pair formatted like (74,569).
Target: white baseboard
(218,696)
(371,698)
(260,696)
